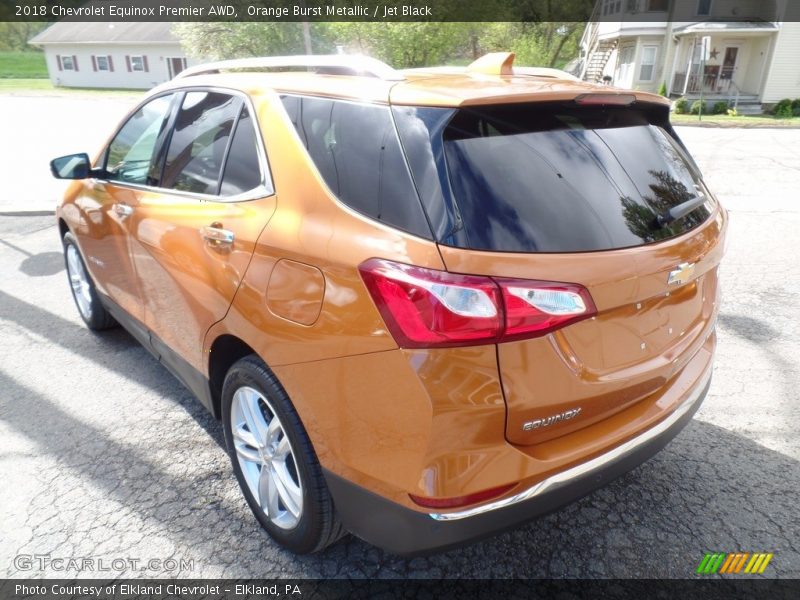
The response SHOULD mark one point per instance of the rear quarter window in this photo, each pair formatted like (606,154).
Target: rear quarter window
(356,150)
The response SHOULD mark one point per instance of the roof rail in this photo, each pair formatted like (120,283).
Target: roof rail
(545,72)
(343,64)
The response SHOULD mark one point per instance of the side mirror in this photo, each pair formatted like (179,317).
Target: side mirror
(73,166)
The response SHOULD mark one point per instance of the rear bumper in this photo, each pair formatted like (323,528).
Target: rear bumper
(404,531)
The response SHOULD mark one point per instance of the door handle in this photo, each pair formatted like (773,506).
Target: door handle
(216,236)
(123,210)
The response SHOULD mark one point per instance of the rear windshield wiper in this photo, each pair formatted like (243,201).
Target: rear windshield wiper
(679,211)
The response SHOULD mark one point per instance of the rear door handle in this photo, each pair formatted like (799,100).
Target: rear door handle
(123,210)
(216,236)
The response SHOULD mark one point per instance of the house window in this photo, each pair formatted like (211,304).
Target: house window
(704,8)
(658,5)
(67,63)
(137,63)
(648,63)
(611,7)
(103,63)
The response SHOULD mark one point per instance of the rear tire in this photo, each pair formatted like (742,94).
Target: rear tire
(84,293)
(274,461)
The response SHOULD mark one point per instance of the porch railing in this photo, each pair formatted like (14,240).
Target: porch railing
(709,84)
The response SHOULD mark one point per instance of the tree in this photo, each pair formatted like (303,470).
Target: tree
(401,44)
(15,36)
(222,40)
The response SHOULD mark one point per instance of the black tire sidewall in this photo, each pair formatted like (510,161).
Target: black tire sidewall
(304,537)
(99,315)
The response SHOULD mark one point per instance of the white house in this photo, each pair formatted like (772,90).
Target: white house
(111,55)
(753,48)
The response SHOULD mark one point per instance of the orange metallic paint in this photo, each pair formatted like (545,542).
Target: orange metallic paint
(295,291)
(435,423)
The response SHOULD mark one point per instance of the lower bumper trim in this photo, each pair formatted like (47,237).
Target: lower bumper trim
(405,531)
(582,470)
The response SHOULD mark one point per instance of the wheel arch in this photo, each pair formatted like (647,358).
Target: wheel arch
(223,353)
(63,228)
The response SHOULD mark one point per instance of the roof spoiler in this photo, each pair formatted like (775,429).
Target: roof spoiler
(343,64)
(494,63)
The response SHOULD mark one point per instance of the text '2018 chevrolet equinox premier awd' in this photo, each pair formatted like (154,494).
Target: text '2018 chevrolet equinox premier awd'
(427,305)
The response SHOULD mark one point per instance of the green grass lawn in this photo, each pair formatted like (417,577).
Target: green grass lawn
(22,65)
(737,121)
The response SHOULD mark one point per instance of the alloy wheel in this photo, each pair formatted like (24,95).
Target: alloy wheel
(266,458)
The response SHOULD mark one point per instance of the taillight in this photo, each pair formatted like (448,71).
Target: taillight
(602,99)
(424,308)
(538,307)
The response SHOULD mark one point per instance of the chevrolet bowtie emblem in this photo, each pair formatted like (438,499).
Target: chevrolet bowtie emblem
(681,274)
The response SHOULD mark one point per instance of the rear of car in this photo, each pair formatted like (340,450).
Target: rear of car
(569,332)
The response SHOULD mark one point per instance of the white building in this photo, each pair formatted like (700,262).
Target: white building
(111,55)
(754,46)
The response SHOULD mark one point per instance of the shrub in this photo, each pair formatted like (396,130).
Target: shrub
(796,112)
(720,108)
(783,109)
(696,105)
(795,103)
(681,106)
(732,112)
(663,89)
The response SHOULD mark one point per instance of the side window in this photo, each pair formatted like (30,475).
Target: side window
(242,168)
(356,151)
(132,150)
(199,140)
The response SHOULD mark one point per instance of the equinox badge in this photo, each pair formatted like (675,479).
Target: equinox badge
(551,420)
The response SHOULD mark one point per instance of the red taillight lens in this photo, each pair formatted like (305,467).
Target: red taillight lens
(604,99)
(538,307)
(424,308)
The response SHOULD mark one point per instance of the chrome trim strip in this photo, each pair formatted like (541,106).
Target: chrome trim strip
(264,189)
(565,477)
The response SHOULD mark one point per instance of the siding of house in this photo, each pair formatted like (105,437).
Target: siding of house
(87,75)
(727,9)
(783,80)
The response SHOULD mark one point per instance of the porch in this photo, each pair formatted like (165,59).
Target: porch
(733,71)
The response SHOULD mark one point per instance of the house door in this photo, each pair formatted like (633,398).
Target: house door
(728,67)
(176,65)
(625,68)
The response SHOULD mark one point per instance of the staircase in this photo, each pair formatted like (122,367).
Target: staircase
(749,105)
(598,59)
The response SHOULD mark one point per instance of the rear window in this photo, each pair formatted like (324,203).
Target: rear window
(564,178)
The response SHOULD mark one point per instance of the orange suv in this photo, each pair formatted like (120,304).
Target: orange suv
(427,305)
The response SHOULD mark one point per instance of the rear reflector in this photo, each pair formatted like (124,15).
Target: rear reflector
(424,308)
(459,501)
(605,99)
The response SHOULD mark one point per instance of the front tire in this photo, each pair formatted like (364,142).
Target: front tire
(274,462)
(92,311)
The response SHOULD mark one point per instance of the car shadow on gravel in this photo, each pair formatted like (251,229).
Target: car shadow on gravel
(110,349)
(710,490)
